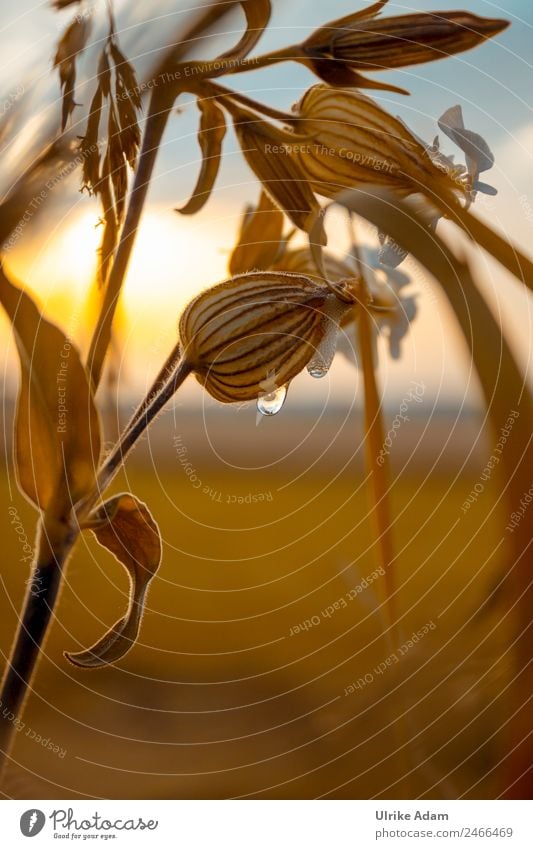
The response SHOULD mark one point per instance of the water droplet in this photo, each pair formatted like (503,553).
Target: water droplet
(317,369)
(318,366)
(271,402)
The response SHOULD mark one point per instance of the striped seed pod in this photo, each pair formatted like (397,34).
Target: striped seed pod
(254,332)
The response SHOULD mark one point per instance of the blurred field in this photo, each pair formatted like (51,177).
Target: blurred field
(219,700)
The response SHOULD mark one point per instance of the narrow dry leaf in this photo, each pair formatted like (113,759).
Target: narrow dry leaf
(260,238)
(124,526)
(210,137)
(71,44)
(57,431)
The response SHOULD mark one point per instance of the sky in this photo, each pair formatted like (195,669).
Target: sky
(176,257)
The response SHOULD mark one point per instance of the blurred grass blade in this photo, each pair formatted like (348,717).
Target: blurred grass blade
(124,526)
(375,439)
(57,431)
(507,253)
(506,392)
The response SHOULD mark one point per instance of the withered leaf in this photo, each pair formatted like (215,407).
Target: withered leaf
(57,431)
(124,526)
(210,137)
(70,45)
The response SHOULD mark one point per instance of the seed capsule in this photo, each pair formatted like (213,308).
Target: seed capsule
(252,330)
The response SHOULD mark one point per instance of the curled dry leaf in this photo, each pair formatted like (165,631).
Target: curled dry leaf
(257,17)
(57,431)
(252,329)
(210,136)
(260,238)
(124,526)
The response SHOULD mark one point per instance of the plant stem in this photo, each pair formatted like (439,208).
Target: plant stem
(228,93)
(140,420)
(285,54)
(41,596)
(159,111)
(375,432)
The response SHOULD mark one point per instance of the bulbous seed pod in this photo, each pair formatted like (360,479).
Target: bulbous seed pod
(356,142)
(253,331)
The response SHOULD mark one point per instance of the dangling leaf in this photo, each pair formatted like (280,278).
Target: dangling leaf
(124,526)
(257,17)
(57,432)
(71,44)
(210,136)
(260,238)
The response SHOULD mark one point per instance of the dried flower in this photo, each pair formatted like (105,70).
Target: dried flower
(254,330)
(478,157)
(339,50)
(357,142)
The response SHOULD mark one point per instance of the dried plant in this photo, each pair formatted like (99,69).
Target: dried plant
(280,311)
